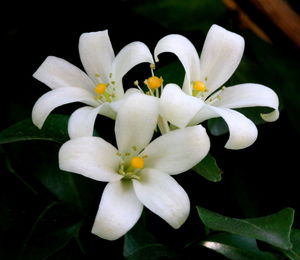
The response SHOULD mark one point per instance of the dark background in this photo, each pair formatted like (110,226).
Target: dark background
(257,181)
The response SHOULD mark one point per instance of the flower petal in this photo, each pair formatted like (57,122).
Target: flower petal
(58,97)
(131,55)
(115,105)
(221,54)
(81,122)
(91,157)
(135,123)
(186,53)
(250,95)
(177,151)
(96,54)
(118,211)
(178,107)
(242,131)
(160,193)
(57,73)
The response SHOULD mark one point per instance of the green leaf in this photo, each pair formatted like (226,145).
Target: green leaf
(294,252)
(140,244)
(54,129)
(236,247)
(273,229)
(209,169)
(182,15)
(51,232)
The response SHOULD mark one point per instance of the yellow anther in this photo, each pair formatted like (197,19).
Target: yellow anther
(199,86)
(154,82)
(100,88)
(137,162)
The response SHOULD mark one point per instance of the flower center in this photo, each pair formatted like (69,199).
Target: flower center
(199,86)
(103,94)
(131,171)
(154,82)
(137,162)
(101,88)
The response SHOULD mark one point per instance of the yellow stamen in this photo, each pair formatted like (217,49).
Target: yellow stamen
(100,88)
(154,82)
(199,86)
(137,162)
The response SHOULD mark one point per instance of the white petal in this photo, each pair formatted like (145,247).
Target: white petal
(221,55)
(91,157)
(128,57)
(58,97)
(186,53)
(178,107)
(56,73)
(242,131)
(115,105)
(135,123)
(160,193)
(118,211)
(270,117)
(96,54)
(177,151)
(82,121)
(250,95)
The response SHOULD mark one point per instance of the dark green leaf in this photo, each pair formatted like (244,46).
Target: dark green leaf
(54,129)
(51,232)
(182,15)
(294,252)
(236,247)
(140,244)
(209,169)
(274,229)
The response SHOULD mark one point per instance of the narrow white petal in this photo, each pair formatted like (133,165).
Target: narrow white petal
(250,95)
(270,117)
(91,157)
(131,55)
(115,105)
(96,54)
(135,122)
(58,97)
(57,73)
(160,193)
(186,53)
(178,107)
(81,122)
(221,55)
(177,151)
(242,131)
(118,211)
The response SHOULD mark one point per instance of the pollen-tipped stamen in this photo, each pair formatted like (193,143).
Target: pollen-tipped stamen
(154,82)
(137,162)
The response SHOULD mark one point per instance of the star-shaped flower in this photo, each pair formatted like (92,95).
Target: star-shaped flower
(101,87)
(202,96)
(139,172)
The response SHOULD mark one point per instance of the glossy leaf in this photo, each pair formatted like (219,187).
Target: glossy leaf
(55,130)
(294,252)
(236,247)
(209,169)
(273,229)
(182,15)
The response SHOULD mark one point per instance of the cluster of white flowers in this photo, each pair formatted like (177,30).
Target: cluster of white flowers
(139,171)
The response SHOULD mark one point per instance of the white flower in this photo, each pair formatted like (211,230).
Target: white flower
(101,87)
(138,172)
(200,98)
